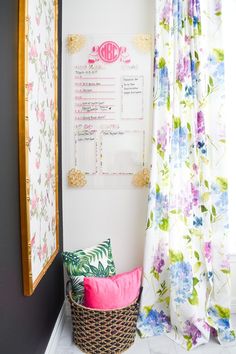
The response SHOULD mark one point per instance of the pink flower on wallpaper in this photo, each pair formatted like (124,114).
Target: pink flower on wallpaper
(48,50)
(37,163)
(53,224)
(208,251)
(34,202)
(33,240)
(33,54)
(40,115)
(49,175)
(40,253)
(37,20)
(44,249)
(29,87)
(52,106)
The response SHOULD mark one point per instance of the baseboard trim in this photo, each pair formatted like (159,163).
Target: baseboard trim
(56,333)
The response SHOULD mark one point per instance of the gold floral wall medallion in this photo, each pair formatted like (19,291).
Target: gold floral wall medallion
(74,43)
(141,178)
(76,178)
(143,42)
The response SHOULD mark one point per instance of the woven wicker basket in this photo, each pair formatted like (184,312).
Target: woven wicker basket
(103,331)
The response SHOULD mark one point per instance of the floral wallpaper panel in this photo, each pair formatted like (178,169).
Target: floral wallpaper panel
(41,88)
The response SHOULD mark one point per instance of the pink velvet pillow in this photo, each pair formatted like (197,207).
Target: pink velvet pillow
(112,292)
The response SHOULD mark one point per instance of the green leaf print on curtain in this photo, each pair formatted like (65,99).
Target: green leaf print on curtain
(186,288)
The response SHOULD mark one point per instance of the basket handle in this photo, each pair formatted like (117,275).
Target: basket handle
(68,287)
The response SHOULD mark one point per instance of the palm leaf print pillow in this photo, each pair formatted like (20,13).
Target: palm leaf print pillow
(96,261)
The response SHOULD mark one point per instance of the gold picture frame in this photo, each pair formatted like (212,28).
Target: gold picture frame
(38,137)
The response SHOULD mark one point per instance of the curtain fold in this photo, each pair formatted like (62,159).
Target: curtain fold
(186,285)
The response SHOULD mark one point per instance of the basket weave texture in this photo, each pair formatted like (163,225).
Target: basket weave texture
(103,331)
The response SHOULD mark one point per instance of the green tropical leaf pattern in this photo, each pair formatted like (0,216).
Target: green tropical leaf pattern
(93,262)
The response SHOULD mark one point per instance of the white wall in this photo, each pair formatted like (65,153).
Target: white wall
(90,216)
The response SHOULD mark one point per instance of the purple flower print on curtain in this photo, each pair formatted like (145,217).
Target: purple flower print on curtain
(186,287)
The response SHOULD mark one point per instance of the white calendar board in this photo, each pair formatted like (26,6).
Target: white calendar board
(108,108)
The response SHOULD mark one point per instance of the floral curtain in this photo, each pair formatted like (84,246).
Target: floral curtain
(186,286)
